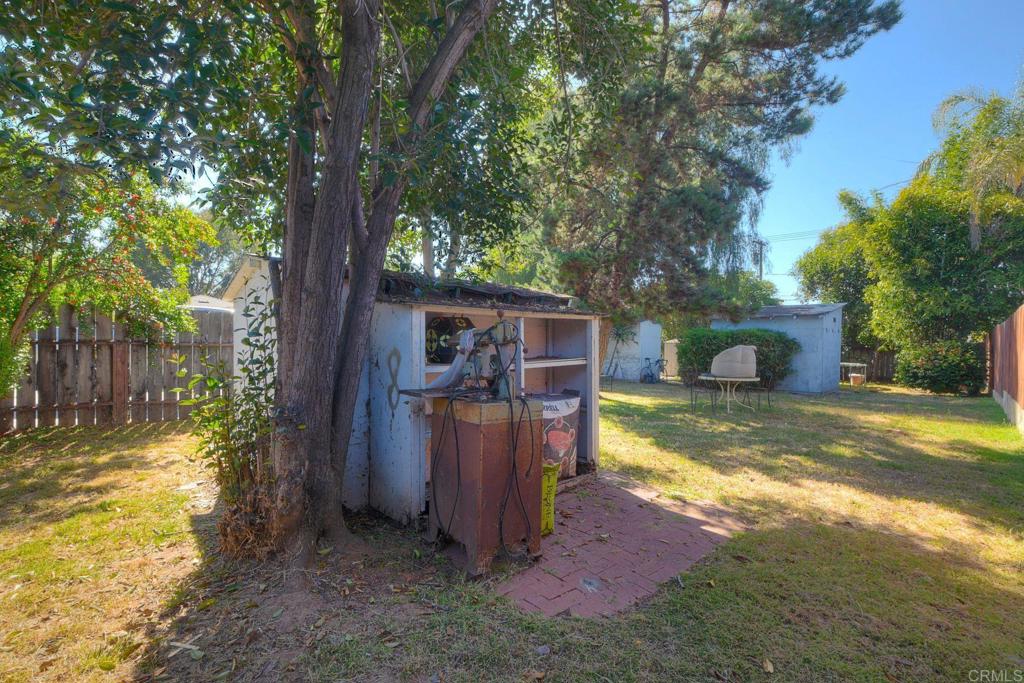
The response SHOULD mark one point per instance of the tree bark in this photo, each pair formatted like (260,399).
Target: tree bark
(324,347)
(307,497)
(427,245)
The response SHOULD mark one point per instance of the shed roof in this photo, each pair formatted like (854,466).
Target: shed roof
(204,301)
(399,287)
(797,310)
(415,288)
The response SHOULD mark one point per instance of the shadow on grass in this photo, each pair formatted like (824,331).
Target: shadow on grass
(840,439)
(818,601)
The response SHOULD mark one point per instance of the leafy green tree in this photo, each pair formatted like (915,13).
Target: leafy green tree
(215,261)
(651,201)
(316,117)
(67,235)
(745,293)
(928,282)
(983,151)
(835,270)
(733,294)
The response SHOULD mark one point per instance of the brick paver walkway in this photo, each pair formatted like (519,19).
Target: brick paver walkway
(614,542)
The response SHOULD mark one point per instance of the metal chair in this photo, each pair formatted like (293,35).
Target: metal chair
(766,387)
(690,379)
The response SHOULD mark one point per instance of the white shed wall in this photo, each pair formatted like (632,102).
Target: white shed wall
(397,457)
(631,354)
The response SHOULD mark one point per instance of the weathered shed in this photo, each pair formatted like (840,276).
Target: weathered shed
(389,452)
(818,328)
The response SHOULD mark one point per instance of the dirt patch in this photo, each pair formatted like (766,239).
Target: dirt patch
(253,621)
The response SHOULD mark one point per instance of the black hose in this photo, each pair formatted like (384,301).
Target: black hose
(514,434)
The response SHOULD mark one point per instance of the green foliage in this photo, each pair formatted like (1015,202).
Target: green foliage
(836,270)
(983,151)
(942,367)
(231,419)
(742,292)
(929,283)
(653,199)
(945,259)
(67,232)
(733,294)
(14,359)
(215,262)
(213,91)
(775,350)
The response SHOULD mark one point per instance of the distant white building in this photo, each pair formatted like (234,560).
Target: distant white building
(818,328)
(626,355)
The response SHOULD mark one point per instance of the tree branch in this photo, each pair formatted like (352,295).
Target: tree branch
(305,31)
(403,64)
(449,53)
(302,45)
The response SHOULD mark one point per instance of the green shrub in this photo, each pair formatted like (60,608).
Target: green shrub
(950,367)
(775,350)
(232,423)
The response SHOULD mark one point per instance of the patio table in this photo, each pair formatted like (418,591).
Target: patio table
(727,388)
(850,367)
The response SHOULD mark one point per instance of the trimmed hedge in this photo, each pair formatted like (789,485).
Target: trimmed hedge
(943,367)
(775,350)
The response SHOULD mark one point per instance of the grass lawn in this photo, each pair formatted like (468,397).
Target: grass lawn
(886,543)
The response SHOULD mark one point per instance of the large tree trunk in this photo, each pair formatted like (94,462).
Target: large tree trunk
(308,491)
(323,347)
(367,268)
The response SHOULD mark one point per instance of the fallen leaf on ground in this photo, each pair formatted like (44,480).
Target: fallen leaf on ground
(768,666)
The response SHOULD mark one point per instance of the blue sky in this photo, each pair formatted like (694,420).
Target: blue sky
(882,128)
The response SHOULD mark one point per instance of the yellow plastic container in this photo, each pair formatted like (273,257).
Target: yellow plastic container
(549,486)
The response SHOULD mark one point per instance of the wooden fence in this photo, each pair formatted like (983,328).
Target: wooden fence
(881,364)
(85,370)
(1007,366)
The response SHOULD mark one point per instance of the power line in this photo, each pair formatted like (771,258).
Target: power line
(795,238)
(898,182)
(793,234)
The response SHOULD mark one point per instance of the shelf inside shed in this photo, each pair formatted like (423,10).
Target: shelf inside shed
(552,362)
